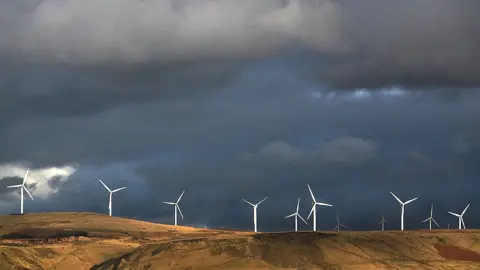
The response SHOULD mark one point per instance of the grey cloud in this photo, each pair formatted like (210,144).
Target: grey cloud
(54,182)
(466,142)
(366,44)
(344,151)
(9,181)
(349,151)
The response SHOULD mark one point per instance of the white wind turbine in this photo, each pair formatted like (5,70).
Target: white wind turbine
(177,207)
(460,218)
(314,209)
(403,205)
(383,223)
(22,187)
(297,215)
(255,212)
(110,197)
(339,225)
(430,219)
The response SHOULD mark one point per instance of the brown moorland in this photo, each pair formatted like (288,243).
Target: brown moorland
(95,241)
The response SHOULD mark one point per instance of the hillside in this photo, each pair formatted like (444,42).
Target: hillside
(309,250)
(80,240)
(94,241)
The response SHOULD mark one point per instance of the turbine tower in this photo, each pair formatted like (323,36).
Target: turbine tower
(430,219)
(297,215)
(110,197)
(460,218)
(383,223)
(339,225)
(403,205)
(177,207)
(22,187)
(314,209)
(255,212)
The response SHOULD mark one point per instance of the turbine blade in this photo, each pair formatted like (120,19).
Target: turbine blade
(324,204)
(118,189)
(407,202)
(28,192)
(14,186)
(311,193)
(344,226)
(425,220)
(435,222)
(104,185)
(179,211)
(457,215)
(248,202)
(262,200)
(169,202)
(465,210)
(290,215)
(302,219)
(396,198)
(298,204)
(181,195)
(463,223)
(311,211)
(25,177)
(338,220)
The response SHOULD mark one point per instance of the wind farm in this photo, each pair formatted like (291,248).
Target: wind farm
(68,230)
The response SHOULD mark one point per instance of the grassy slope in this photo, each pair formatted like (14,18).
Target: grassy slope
(117,243)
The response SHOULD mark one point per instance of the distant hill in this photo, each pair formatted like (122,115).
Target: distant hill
(93,241)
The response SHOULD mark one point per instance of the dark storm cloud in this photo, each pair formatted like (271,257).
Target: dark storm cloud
(10,181)
(367,44)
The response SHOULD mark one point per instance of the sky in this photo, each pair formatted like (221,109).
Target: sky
(232,100)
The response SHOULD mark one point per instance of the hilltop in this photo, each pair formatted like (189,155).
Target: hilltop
(94,241)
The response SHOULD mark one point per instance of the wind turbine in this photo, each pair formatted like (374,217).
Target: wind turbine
(255,212)
(22,187)
(339,225)
(110,197)
(430,219)
(403,205)
(297,215)
(460,218)
(314,209)
(177,207)
(383,223)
